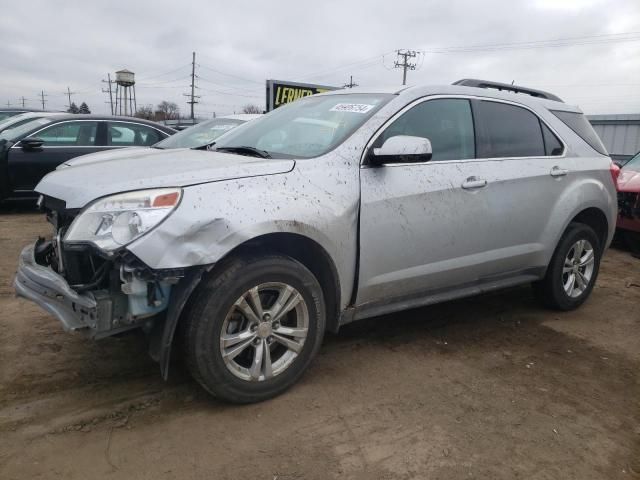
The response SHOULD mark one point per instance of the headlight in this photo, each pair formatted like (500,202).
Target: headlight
(115,221)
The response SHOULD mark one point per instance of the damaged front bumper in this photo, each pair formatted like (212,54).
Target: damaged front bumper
(99,312)
(51,291)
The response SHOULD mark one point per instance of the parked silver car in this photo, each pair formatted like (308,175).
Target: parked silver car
(331,209)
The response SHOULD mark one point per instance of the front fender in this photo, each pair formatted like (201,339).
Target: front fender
(215,218)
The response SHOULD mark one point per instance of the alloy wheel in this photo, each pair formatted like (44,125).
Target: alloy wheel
(578,268)
(264,331)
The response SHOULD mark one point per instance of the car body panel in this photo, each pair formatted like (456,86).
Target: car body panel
(153,170)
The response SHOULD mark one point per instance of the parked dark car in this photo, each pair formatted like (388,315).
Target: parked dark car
(38,147)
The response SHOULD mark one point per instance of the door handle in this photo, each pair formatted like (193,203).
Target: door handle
(556,171)
(474,182)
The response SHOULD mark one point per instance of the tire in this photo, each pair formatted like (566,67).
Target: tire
(552,291)
(218,317)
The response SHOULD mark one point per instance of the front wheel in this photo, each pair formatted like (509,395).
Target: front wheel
(572,271)
(254,328)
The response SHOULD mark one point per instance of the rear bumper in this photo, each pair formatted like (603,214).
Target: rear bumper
(51,291)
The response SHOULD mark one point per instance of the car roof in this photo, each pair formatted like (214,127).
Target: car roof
(112,118)
(242,116)
(417,91)
(18,109)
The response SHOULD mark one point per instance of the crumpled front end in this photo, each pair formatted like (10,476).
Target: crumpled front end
(87,290)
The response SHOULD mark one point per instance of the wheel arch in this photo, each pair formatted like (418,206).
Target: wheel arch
(596,219)
(308,252)
(303,249)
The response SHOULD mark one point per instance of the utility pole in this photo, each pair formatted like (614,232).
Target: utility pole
(8,104)
(42,95)
(350,84)
(110,92)
(23,100)
(192,95)
(404,64)
(69,93)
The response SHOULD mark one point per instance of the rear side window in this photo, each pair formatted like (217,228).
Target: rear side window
(447,123)
(581,126)
(507,131)
(121,134)
(78,134)
(552,146)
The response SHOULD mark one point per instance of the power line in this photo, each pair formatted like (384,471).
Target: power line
(552,43)
(405,64)
(22,99)
(162,82)
(324,72)
(166,73)
(230,74)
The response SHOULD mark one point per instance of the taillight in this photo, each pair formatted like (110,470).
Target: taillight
(615,173)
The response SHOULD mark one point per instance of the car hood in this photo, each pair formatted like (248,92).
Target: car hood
(85,181)
(629,181)
(117,153)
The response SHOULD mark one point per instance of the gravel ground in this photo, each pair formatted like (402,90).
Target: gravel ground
(488,387)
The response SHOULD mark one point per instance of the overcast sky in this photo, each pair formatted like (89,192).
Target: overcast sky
(48,46)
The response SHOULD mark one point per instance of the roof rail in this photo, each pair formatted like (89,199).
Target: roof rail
(472,82)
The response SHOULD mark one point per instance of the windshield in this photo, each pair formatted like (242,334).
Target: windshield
(305,128)
(633,164)
(199,135)
(17,133)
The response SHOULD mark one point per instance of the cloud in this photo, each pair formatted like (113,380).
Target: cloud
(242,43)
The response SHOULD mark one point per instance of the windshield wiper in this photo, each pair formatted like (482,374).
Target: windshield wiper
(245,150)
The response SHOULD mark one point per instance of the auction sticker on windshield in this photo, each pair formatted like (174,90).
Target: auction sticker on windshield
(352,107)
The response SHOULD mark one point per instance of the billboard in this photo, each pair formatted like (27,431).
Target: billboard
(280,92)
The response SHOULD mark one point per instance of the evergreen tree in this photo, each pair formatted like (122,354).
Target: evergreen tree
(73,108)
(84,108)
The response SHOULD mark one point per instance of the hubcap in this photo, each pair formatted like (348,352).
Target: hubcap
(264,331)
(578,268)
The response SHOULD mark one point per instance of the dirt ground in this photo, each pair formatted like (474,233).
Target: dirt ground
(489,387)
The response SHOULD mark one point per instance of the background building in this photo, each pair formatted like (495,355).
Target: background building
(619,133)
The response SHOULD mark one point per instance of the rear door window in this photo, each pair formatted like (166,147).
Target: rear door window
(446,122)
(581,126)
(552,145)
(122,134)
(79,134)
(507,130)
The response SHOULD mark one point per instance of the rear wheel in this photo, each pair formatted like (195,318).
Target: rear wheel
(254,327)
(572,271)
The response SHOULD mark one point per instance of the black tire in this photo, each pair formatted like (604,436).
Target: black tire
(550,290)
(206,315)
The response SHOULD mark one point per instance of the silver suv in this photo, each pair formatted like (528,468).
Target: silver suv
(334,208)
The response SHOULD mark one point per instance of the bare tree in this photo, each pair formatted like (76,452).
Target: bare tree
(251,108)
(167,111)
(145,111)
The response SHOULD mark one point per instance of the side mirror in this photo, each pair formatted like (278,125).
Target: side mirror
(31,143)
(402,149)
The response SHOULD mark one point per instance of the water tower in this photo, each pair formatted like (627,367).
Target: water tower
(125,93)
